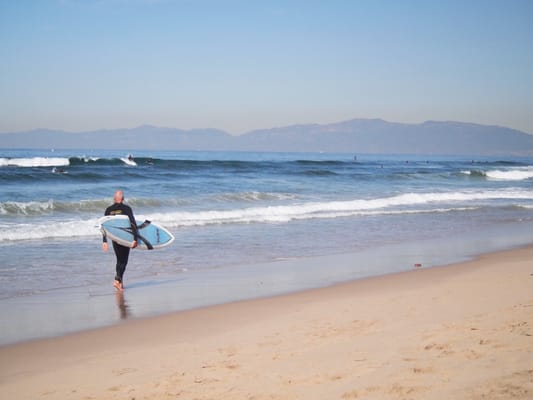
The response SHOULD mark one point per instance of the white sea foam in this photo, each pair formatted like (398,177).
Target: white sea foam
(515,174)
(65,229)
(334,209)
(518,174)
(35,162)
(88,158)
(395,205)
(129,162)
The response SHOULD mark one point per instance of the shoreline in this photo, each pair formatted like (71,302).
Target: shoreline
(416,329)
(71,310)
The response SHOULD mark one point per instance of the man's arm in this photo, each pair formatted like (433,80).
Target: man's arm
(105,246)
(133,227)
(104,237)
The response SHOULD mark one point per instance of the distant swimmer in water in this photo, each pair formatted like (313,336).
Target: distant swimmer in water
(58,171)
(121,252)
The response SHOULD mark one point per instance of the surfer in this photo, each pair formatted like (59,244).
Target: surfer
(121,252)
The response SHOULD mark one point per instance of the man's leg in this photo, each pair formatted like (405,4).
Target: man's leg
(122,253)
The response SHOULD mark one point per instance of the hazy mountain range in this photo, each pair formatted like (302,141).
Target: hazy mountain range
(354,136)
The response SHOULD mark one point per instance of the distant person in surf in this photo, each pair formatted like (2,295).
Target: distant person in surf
(121,252)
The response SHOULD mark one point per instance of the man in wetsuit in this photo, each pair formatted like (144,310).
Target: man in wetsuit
(121,252)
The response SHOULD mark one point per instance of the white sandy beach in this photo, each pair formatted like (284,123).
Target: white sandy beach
(456,332)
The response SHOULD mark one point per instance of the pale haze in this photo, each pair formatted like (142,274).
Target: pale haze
(241,65)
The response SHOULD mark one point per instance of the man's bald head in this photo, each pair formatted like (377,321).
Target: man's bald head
(119,196)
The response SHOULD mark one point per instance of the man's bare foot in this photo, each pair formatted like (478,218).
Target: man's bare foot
(118,286)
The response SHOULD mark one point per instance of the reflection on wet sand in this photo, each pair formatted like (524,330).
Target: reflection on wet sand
(122,305)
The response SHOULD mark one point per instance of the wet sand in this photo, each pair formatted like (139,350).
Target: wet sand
(463,331)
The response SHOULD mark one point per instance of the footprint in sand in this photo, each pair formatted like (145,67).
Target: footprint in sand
(123,371)
(423,370)
(401,390)
(444,349)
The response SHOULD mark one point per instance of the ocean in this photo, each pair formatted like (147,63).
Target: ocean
(246,225)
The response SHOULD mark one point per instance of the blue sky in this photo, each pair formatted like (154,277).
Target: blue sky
(239,65)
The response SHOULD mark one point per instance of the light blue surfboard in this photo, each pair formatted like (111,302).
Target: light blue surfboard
(151,236)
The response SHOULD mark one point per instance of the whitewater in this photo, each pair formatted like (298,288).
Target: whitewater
(400,204)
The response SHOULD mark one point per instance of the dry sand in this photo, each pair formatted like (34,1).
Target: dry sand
(456,332)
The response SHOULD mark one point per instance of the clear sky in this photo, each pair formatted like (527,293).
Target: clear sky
(239,65)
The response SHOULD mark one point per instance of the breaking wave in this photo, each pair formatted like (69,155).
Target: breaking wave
(395,205)
(34,162)
(40,208)
(517,174)
(511,175)
(334,209)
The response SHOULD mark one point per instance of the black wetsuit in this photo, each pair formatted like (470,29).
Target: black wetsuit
(121,252)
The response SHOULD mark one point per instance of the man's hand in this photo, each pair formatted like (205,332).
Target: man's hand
(133,244)
(105,246)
